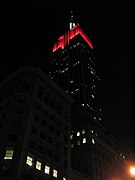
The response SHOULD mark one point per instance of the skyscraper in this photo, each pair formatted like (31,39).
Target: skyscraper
(73,67)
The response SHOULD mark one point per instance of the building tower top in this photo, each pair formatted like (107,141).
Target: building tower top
(71,24)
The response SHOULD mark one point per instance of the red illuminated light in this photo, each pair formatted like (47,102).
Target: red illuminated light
(64,40)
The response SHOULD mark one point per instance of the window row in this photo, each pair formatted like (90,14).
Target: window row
(83,141)
(79,133)
(46,168)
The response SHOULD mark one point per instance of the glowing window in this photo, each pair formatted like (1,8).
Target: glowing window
(29,161)
(78,133)
(78,143)
(38,165)
(92,131)
(83,131)
(47,169)
(93,141)
(84,140)
(64,178)
(72,145)
(92,96)
(71,136)
(9,154)
(82,104)
(55,173)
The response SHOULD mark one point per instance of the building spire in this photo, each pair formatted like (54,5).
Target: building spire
(71,24)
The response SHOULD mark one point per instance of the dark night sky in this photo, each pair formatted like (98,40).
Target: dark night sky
(28,39)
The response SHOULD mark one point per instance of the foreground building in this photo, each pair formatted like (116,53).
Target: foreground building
(34,128)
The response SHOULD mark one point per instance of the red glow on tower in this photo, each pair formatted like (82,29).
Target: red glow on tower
(64,40)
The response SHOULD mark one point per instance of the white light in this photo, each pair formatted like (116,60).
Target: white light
(70,25)
(47,169)
(72,145)
(29,161)
(38,165)
(55,173)
(132,171)
(84,140)
(92,95)
(93,141)
(9,154)
(83,131)
(71,136)
(78,143)
(78,133)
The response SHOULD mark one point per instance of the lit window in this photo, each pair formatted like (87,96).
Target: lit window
(84,140)
(38,165)
(92,95)
(71,136)
(92,131)
(29,161)
(78,143)
(72,145)
(83,131)
(92,72)
(71,81)
(93,141)
(47,169)
(55,173)
(96,134)
(78,133)
(9,154)
(64,178)
(82,104)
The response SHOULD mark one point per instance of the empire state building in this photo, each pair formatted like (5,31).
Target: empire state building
(73,67)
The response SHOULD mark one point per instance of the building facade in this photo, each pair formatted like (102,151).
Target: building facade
(73,67)
(34,128)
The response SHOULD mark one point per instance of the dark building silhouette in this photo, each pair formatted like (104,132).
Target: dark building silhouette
(34,127)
